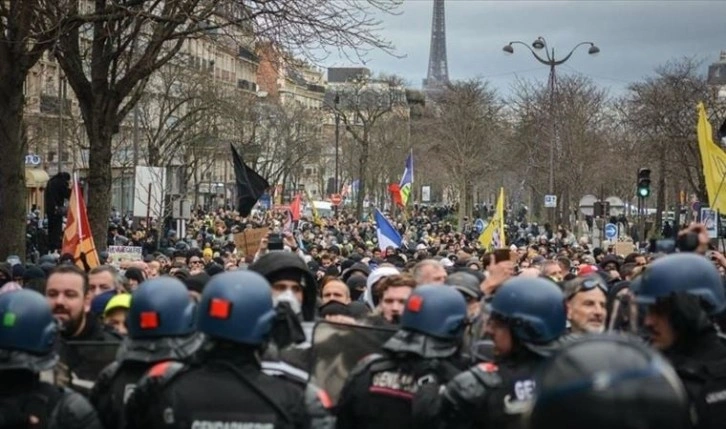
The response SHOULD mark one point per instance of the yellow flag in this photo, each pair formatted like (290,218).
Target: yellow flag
(493,235)
(316,217)
(714,163)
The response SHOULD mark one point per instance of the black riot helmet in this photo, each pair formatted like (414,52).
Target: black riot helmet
(605,382)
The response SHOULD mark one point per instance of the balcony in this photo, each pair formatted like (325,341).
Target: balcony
(246,54)
(316,88)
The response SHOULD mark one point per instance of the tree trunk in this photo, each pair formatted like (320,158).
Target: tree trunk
(12,168)
(362,166)
(99,179)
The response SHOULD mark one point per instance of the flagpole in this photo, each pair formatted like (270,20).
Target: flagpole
(76,188)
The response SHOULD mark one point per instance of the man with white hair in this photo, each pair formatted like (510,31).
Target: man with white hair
(429,272)
(586,299)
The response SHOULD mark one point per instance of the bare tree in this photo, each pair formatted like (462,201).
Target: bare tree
(109,62)
(466,131)
(361,104)
(588,148)
(27,29)
(660,111)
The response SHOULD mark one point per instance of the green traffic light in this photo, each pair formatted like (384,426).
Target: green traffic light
(644,192)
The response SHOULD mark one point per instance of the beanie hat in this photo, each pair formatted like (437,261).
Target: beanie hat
(33,272)
(99,302)
(133,273)
(18,271)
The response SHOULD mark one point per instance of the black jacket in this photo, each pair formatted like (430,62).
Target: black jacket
(228,387)
(22,395)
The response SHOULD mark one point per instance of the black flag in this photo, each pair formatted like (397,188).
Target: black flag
(250,185)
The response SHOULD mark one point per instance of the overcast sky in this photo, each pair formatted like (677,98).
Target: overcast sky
(634,38)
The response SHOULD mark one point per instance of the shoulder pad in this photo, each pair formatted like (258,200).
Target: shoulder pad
(487,374)
(285,370)
(108,373)
(164,372)
(472,386)
(104,379)
(375,362)
(318,406)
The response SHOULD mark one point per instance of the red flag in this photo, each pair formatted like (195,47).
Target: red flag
(77,238)
(395,191)
(295,208)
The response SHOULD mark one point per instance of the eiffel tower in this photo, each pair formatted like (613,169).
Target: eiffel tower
(438,73)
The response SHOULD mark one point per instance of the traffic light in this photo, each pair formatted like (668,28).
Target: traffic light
(601,209)
(644,182)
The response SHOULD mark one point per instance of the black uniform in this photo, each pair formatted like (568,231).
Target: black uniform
(487,395)
(700,362)
(229,388)
(112,390)
(381,389)
(22,395)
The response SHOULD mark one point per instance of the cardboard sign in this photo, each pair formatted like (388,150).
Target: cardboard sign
(623,248)
(117,254)
(248,241)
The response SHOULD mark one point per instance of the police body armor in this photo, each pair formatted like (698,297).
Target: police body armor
(489,395)
(705,383)
(383,389)
(175,395)
(54,408)
(112,390)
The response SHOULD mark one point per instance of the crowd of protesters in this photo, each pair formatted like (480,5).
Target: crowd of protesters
(333,269)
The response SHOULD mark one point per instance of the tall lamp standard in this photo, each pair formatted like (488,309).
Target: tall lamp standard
(550,60)
(337,143)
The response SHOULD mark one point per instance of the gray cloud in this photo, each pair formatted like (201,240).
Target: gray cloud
(634,36)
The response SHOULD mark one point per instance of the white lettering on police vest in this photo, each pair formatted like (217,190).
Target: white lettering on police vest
(395,381)
(128,391)
(207,424)
(714,397)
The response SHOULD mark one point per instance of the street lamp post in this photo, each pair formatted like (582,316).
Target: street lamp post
(337,147)
(550,60)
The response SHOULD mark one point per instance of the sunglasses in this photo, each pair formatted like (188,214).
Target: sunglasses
(196,261)
(588,285)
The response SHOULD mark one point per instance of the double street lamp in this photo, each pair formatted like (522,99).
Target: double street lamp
(550,60)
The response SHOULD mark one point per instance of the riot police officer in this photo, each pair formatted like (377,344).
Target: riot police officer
(527,319)
(380,391)
(162,326)
(227,387)
(682,293)
(27,333)
(608,382)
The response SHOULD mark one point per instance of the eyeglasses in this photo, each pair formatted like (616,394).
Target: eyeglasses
(196,261)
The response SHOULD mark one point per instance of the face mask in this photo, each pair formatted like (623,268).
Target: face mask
(290,299)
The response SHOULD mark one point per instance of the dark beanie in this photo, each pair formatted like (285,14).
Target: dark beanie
(356,284)
(134,273)
(33,272)
(18,271)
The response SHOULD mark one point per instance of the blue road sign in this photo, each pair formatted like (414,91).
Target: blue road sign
(611,231)
(479,226)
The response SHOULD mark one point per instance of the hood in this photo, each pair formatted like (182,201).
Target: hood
(272,262)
